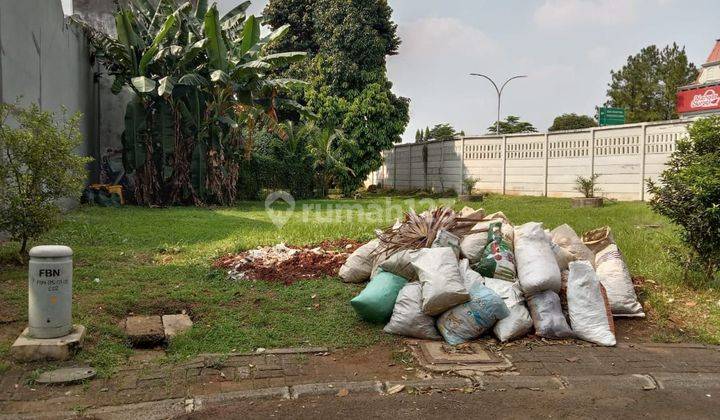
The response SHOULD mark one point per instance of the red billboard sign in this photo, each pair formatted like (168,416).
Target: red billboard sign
(697,100)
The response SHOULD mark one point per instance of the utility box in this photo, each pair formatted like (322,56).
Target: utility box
(50,291)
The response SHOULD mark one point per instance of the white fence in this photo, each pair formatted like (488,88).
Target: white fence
(538,164)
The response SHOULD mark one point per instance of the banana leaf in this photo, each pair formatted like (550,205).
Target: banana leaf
(132,136)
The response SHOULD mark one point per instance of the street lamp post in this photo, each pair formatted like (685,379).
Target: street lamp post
(499,94)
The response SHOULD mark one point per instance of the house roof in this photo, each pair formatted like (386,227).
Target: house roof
(714,56)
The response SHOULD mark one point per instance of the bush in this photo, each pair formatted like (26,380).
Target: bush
(689,191)
(38,167)
(469,184)
(586,186)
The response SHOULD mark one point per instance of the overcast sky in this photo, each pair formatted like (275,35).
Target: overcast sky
(566,47)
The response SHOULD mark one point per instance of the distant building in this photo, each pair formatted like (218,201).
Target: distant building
(703,97)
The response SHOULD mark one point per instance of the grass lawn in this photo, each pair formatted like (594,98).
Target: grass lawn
(150,261)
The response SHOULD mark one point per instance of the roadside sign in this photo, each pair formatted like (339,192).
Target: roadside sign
(611,116)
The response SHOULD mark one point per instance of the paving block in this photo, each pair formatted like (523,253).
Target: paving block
(144,331)
(28,349)
(436,383)
(176,324)
(203,402)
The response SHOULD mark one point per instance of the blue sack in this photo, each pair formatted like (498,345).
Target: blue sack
(470,320)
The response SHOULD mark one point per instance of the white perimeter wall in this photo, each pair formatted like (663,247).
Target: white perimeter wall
(538,164)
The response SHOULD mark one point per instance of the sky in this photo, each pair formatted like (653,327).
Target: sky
(567,48)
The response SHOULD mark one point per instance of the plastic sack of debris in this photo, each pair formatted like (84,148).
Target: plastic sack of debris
(518,323)
(469,275)
(547,316)
(536,266)
(598,239)
(375,303)
(472,214)
(565,237)
(408,318)
(447,239)
(400,263)
(563,257)
(589,311)
(498,259)
(473,245)
(614,275)
(442,282)
(470,320)
(359,265)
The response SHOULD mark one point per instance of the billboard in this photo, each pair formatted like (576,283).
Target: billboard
(698,100)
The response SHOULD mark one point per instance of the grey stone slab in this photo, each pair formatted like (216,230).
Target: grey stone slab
(66,375)
(521,382)
(27,349)
(203,402)
(332,388)
(687,380)
(145,331)
(436,383)
(617,382)
(176,324)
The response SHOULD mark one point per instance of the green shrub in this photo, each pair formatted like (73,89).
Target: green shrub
(38,167)
(469,184)
(689,191)
(586,186)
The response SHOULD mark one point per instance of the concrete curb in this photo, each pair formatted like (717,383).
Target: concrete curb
(178,406)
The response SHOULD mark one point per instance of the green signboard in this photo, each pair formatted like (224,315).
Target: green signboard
(612,116)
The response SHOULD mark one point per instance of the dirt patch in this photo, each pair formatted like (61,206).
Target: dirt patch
(287,264)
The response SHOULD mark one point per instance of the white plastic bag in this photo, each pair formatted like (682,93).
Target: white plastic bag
(408,318)
(473,245)
(469,275)
(547,316)
(518,323)
(615,277)
(565,237)
(447,239)
(442,282)
(400,264)
(536,266)
(590,317)
(359,265)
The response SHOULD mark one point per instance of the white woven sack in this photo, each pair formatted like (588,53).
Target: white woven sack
(536,266)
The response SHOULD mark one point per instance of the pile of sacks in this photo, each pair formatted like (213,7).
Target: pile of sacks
(497,277)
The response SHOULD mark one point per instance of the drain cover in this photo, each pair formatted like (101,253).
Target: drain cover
(439,353)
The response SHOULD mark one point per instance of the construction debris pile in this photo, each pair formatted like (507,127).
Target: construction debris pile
(287,264)
(455,276)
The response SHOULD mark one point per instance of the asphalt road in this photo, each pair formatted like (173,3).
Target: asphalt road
(598,403)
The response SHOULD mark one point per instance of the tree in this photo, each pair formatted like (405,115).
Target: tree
(38,167)
(202,86)
(418,136)
(426,134)
(326,147)
(348,42)
(646,85)
(513,125)
(689,191)
(443,132)
(572,122)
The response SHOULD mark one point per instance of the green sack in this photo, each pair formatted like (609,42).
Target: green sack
(376,302)
(498,260)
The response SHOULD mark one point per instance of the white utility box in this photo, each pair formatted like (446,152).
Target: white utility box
(50,291)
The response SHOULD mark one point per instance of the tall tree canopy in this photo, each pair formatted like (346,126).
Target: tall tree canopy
(513,125)
(348,41)
(647,84)
(572,122)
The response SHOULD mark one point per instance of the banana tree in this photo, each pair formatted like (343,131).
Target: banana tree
(203,85)
(326,147)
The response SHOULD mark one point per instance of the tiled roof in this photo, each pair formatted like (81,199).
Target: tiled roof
(715,54)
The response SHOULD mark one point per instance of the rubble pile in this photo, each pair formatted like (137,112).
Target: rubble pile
(457,276)
(287,264)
